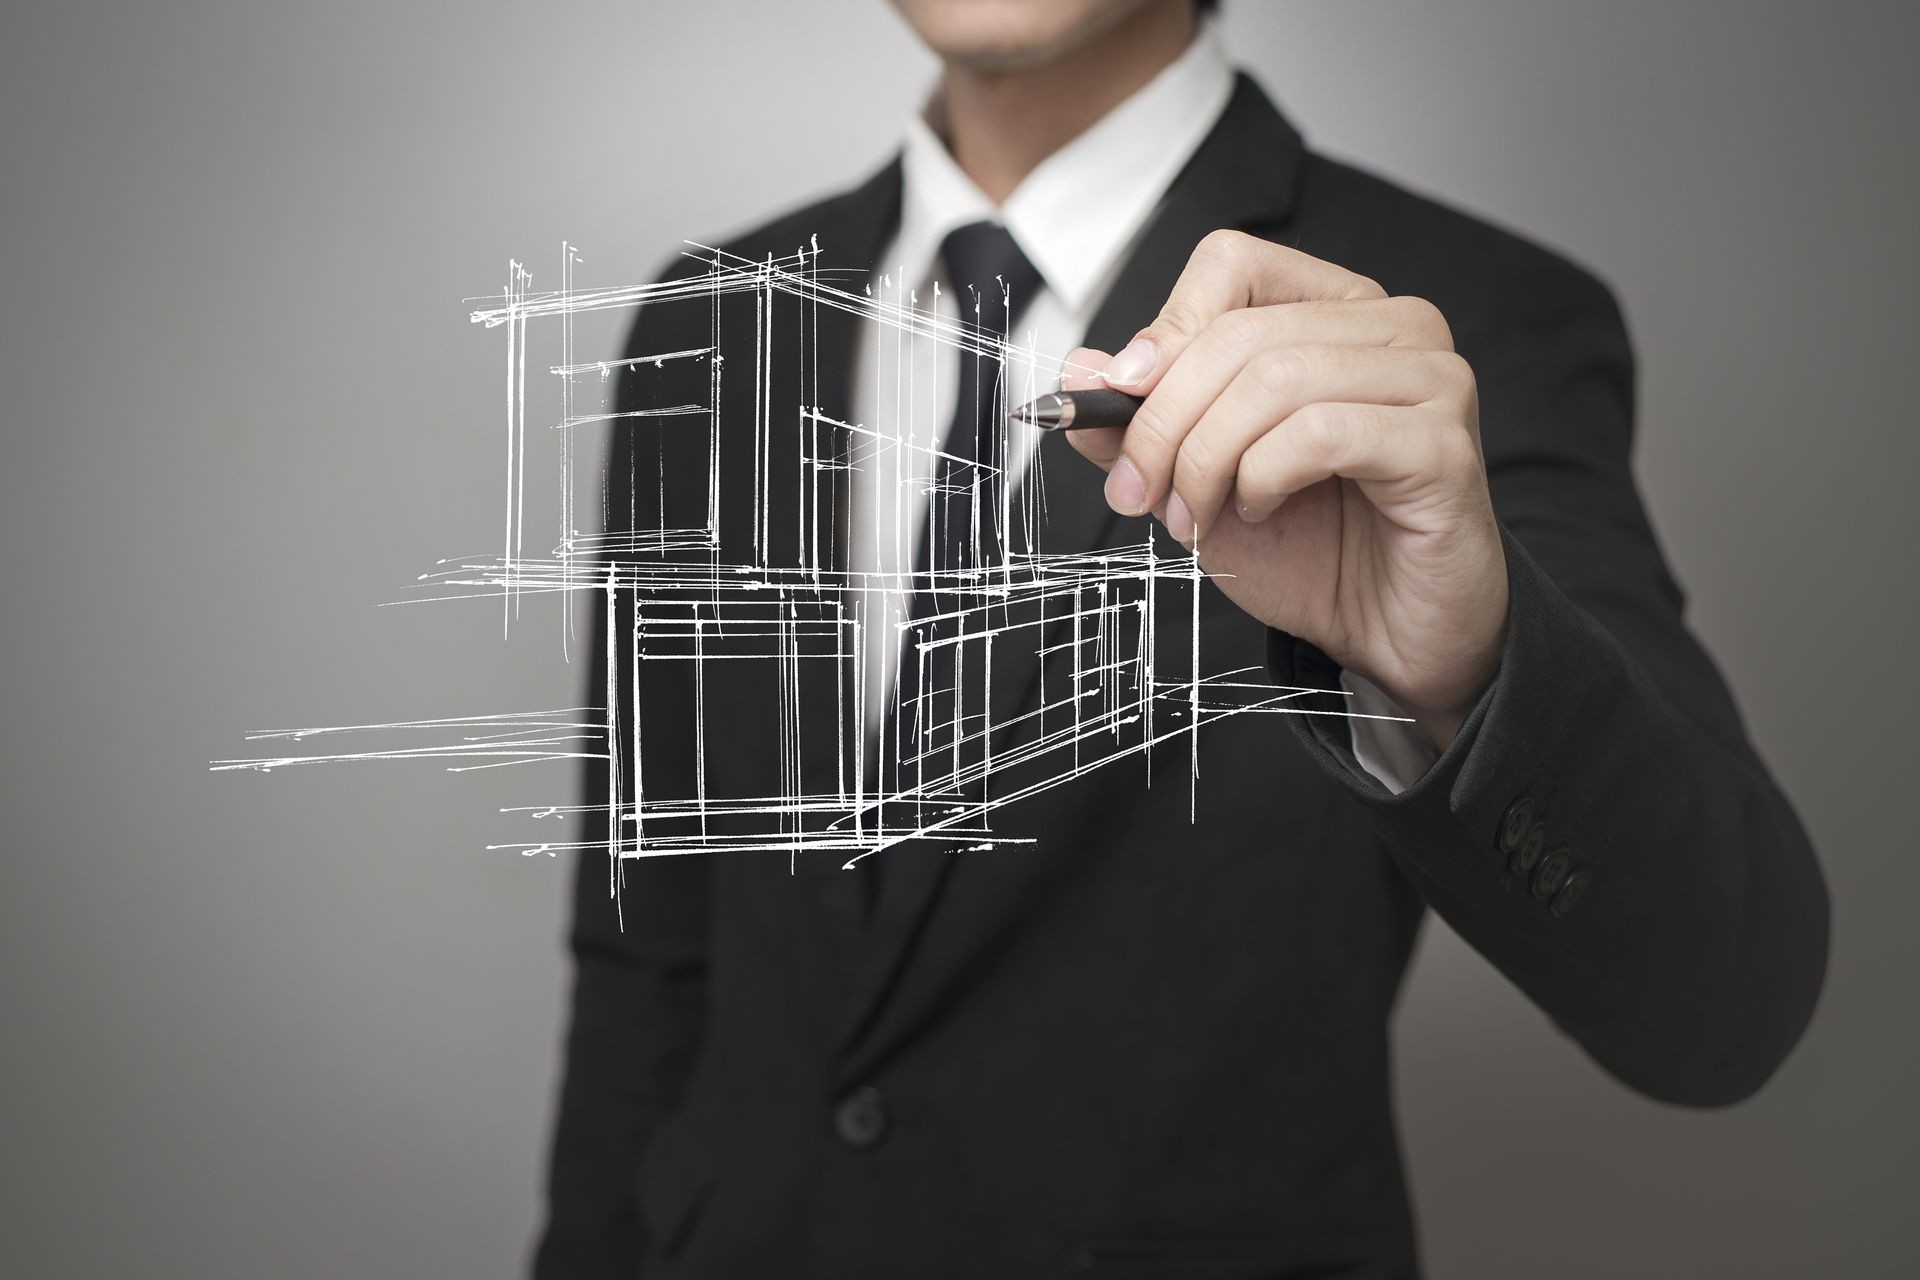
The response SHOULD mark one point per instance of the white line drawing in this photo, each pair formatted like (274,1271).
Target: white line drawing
(1128,681)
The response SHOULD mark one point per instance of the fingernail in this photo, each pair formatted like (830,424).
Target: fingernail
(1126,491)
(1179,520)
(1245,513)
(1133,365)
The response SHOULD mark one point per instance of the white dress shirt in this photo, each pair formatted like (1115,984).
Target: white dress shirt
(904,386)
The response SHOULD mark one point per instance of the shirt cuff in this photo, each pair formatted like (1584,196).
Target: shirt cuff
(1393,750)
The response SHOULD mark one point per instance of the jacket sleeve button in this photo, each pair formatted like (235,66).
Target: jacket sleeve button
(1570,893)
(1531,847)
(1553,872)
(860,1119)
(1513,826)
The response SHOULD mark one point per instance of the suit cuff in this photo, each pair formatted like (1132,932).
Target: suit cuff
(1562,724)
(1384,739)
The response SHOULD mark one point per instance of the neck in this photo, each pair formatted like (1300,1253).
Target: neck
(1001,123)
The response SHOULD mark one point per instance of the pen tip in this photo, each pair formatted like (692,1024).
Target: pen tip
(1044,412)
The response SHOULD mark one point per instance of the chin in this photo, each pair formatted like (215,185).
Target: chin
(1012,35)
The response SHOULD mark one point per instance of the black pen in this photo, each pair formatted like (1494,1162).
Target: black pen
(1079,410)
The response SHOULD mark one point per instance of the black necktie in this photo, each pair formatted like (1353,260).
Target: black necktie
(991,281)
(939,712)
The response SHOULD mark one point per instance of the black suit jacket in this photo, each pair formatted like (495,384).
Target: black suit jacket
(1149,1045)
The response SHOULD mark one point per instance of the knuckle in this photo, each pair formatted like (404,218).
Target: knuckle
(1199,460)
(1278,370)
(1364,287)
(1238,331)
(1424,322)
(1151,433)
(1318,428)
(1178,321)
(1437,321)
(1455,374)
(1459,451)
(1223,246)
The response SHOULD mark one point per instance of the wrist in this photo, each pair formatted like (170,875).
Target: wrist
(1439,703)
(1447,682)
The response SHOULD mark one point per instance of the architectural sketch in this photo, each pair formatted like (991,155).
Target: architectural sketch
(1119,666)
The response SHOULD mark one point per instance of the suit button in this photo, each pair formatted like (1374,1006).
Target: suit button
(1553,872)
(1513,827)
(1528,854)
(861,1118)
(1570,893)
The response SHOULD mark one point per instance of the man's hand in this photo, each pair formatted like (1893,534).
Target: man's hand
(1318,444)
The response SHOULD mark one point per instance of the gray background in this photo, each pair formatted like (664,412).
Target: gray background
(305,1025)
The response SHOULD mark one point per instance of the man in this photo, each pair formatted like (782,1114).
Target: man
(1155,1042)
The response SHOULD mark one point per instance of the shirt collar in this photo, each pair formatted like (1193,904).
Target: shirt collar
(1081,208)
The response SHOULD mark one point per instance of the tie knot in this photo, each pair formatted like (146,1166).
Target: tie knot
(983,257)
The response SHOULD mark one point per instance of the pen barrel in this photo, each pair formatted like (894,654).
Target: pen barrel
(1103,407)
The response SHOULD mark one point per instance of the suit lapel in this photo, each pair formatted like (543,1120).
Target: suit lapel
(1244,175)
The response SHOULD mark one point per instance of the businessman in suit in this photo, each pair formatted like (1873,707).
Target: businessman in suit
(1155,1043)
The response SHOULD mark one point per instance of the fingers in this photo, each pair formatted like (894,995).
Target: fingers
(1274,386)
(1219,354)
(1229,271)
(1081,371)
(1400,454)
(1084,369)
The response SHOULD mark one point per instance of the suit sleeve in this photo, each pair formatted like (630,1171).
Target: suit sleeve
(639,935)
(1601,829)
